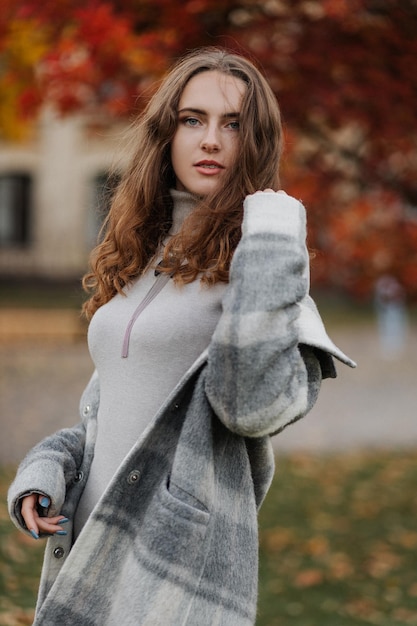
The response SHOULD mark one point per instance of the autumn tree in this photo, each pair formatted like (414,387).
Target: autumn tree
(343,74)
(91,55)
(342,71)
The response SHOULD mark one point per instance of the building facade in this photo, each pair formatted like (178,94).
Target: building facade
(53,195)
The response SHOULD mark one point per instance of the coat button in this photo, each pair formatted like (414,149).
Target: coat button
(133,477)
(86,410)
(78,477)
(59,552)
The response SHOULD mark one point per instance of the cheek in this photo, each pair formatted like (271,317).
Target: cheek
(178,145)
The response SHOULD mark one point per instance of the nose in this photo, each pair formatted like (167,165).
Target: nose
(210,141)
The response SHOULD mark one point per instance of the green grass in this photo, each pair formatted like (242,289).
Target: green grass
(339,541)
(338,545)
(20,564)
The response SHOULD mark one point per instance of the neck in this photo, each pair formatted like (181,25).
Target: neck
(184,204)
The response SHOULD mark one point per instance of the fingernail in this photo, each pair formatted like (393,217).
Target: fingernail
(45,502)
(34,533)
(64,520)
(61,532)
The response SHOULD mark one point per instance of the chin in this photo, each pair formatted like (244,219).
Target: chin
(203,190)
(199,188)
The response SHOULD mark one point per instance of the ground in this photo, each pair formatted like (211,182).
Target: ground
(374,405)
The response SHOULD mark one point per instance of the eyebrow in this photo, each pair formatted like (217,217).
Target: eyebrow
(202,112)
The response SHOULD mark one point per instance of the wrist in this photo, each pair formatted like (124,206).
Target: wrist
(273,213)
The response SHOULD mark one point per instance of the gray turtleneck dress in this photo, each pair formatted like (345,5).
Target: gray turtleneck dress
(171,332)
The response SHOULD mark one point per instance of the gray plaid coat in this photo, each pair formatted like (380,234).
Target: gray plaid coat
(173,541)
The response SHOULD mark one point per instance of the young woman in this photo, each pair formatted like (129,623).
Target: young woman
(205,343)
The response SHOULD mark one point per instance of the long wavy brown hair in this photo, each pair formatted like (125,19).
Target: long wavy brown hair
(140,215)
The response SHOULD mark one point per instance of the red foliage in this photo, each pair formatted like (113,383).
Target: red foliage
(343,75)
(342,71)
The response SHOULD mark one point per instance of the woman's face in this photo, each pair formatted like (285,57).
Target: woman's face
(206,139)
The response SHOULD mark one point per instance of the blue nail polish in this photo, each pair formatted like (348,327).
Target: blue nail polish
(61,532)
(64,520)
(45,502)
(34,533)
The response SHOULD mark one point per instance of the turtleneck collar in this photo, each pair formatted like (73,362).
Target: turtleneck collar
(184,204)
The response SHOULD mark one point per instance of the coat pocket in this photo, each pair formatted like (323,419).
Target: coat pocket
(164,563)
(174,533)
(181,502)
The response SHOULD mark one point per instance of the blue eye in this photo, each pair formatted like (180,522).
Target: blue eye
(234,125)
(191,121)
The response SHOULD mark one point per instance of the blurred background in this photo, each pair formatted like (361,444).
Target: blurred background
(338,530)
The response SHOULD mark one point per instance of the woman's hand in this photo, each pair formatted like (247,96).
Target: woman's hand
(37,524)
(270,191)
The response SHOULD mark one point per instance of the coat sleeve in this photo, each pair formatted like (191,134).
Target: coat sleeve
(52,465)
(260,376)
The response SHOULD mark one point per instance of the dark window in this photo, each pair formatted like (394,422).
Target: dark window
(15,199)
(103,186)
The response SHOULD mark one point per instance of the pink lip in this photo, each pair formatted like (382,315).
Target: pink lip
(208,168)
(206,162)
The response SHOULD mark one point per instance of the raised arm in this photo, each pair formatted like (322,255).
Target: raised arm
(259,378)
